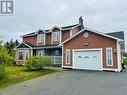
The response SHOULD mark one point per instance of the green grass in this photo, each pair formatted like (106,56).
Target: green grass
(18,74)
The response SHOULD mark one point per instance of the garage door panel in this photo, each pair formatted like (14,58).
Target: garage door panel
(90,59)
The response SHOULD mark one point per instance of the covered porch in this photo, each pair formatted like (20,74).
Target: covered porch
(25,50)
(55,54)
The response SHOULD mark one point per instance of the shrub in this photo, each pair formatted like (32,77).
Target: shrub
(124,54)
(37,63)
(125,61)
(5,58)
(3,74)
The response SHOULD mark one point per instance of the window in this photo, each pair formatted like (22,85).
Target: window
(56,52)
(20,55)
(109,57)
(40,38)
(23,54)
(67,56)
(26,54)
(56,36)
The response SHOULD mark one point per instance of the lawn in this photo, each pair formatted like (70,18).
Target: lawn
(18,74)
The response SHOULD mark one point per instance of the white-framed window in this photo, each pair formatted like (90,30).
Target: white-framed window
(40,38)
(56,36)
(68,56)
(23,54)
(109,57)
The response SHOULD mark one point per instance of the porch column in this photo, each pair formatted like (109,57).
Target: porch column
(31,52)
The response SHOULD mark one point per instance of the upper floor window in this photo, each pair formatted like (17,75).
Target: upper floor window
(40,38)
(56,36)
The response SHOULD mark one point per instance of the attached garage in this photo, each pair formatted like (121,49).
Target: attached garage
(89,59)
(91,50)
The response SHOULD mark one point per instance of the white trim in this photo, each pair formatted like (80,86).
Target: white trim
(62,56)
(101,58)
(92,49)
(119,57)
(107,56)
(44,38)
(90,31)
(31,52)
(37,39)
(23,43)
(71,32)
(60,36)
(68,50)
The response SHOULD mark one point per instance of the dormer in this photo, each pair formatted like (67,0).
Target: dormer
(55,35)
(40,37)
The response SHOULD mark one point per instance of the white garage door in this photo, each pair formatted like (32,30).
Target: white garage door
(87,59)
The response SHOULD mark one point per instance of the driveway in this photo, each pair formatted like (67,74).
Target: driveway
(72,82)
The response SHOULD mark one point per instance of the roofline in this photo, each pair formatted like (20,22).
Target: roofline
(50,30)
(48,47)
(28,35)
(103,34)
(91,30)
(72,27)
(23,43)
(35,33)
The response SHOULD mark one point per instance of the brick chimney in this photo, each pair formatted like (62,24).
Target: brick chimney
(81,22)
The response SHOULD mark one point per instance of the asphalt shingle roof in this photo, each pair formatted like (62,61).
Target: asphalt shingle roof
(62,28)
(119,34)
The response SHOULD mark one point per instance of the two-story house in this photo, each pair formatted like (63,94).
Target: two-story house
(75,46)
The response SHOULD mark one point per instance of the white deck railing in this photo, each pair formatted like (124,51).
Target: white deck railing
(57,59)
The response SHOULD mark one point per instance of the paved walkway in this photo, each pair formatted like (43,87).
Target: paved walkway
(72,82)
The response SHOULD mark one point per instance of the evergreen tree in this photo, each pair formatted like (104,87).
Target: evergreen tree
(10,47)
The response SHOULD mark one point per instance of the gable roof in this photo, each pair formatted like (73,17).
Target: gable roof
(62,28)
(119,34)
(23,45)
(91,30)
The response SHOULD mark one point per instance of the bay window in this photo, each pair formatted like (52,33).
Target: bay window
(23,54)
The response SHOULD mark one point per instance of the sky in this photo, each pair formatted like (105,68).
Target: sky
(32,15)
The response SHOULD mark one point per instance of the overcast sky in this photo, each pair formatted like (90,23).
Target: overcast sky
(31,15)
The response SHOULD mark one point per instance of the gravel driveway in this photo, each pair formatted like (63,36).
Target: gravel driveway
(72,82)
